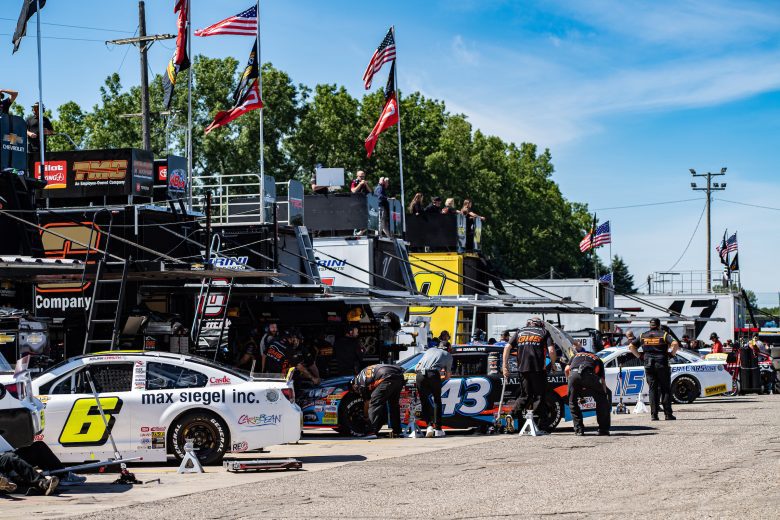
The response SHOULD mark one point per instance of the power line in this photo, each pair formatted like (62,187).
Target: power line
(747,204)
(690,240)
(63,38)
(74,26)
(647,204)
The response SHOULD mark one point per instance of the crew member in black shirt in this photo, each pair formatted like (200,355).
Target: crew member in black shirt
(285,353)
(380,386)
(33,138)
(348,353)
(6,102)
(655,345)
(533,343)
(586,378)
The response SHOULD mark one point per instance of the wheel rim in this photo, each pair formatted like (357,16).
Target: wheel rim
(204,437)
(357,421)
(683,390)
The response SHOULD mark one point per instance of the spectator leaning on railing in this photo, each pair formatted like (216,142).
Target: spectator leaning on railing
(449,207)
(360,184)
(384,206)
(416,206)
(7,98)
(434,206)
(468,210)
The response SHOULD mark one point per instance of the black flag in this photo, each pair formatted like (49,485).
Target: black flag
(245,81)
(29,8)
(390,86)
(734,266)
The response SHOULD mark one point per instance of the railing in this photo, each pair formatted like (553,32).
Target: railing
(692,282)
(235,198)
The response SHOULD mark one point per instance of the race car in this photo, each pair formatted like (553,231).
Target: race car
(470,399)
(153,401)
(769,376)
(21,414)
(692,376)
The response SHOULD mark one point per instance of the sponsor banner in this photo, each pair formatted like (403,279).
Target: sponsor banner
(13,151)
(344,263)
(54,173)
(176,170)
(98,173)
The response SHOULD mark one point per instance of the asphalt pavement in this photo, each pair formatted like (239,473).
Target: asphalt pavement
(720,459)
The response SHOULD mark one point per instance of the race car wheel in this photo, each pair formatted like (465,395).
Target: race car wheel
(555,412)
(352,420)
(208,432)
(734,388)
(685,390)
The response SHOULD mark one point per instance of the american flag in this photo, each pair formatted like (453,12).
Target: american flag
(601,237)
(606,278)
(383,54)
(729,246)
(242,24)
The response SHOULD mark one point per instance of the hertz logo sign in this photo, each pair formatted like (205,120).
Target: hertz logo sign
(111,170)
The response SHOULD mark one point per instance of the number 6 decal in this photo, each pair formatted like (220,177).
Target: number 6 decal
(84,425)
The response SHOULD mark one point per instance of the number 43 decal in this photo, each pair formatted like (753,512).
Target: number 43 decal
(467,396)
(84,425)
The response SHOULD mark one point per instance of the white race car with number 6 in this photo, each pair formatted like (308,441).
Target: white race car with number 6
(153,401)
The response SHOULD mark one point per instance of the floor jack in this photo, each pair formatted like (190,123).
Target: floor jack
(243,465)
(125,477)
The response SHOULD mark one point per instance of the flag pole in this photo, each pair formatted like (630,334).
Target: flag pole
(260,88)
(400,151)
(593,249)
(41,129)
(611,260)
(189,108)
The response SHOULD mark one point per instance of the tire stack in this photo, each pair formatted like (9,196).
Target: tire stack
(774,353)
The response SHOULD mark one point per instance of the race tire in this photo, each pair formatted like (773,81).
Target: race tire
(774,352)
(555,412)
(352,420)
(211,436)
(685,390)
(734,388)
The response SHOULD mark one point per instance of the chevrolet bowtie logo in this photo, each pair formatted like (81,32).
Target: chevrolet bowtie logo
(13,139)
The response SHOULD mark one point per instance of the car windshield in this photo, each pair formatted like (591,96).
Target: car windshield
(604,353)
(691,354)
(5,366)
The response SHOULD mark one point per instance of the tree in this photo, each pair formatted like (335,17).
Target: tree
(622,279)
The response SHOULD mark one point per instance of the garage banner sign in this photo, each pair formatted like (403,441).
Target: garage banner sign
(98,173)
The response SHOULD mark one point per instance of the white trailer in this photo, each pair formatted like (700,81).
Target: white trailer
(729,307)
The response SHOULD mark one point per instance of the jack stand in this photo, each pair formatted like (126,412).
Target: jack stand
(620,408)
(190,462)
(530,428)
(640,407)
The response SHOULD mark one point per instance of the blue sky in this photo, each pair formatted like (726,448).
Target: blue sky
(627,94)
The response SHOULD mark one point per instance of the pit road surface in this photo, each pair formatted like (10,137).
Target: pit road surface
(720,459)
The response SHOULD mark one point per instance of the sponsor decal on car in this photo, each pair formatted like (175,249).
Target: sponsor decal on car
(715,390)
(224,380)
(259,420)
(240,446)
(694,368)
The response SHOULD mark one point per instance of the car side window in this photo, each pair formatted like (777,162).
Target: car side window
(109,377)
(63,386)
(627,359)
(163,376)
(678,360)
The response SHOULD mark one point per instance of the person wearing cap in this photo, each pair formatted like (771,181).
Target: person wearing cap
(533,344)
(444,340)
(7,98)
(435,363)
(380,387)
(33,137)
(717,346)
(434,207)
(655,344)
(285,353)
(586,378)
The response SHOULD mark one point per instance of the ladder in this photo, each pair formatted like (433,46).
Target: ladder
(104,309)
(218,308)
(307,249)
(465,325)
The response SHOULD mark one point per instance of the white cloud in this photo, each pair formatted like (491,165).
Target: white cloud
(463,53)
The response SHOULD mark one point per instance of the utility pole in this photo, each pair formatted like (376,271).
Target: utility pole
(144,42)
(142,48)
(711,186)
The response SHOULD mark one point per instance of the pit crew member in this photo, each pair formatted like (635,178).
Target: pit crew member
(586,377)
(655,345)
(428,377)
(380,386)
(532,341)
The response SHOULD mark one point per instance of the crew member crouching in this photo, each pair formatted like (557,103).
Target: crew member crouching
(380,387)
(586,377)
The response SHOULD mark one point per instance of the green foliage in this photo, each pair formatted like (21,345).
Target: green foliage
(530,226)
(622,279)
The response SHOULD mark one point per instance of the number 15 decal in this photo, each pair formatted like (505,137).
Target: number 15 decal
(84,425)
